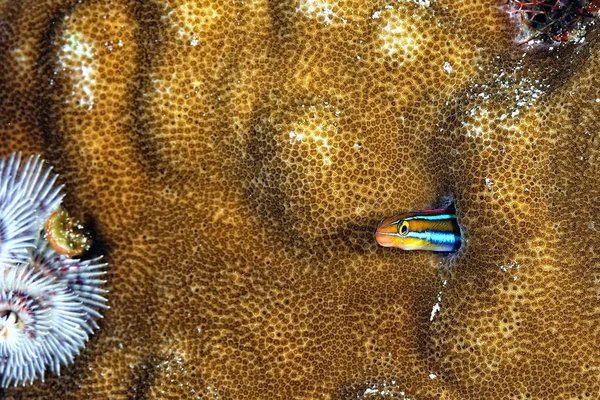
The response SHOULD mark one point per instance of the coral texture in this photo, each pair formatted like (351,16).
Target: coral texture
(234,158)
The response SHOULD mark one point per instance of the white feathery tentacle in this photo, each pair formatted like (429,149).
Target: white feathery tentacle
(84,278)
(16,231)
(36,182)
(28,195)
(41,314)
(8,173)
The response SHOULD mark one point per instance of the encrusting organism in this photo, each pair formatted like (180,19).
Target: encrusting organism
(49,302)
(553,21)
(65,234)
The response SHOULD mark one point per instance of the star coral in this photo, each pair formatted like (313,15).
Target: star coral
(237,156)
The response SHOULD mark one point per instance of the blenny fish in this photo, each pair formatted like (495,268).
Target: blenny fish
(432,230)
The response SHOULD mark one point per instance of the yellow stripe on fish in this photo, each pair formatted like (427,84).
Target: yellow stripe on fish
(432,230)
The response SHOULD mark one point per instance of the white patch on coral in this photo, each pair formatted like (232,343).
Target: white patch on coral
(511,267)
(76,60)
(386,390)
(187,18)
(437,306)
(434,310)
(420,3)
(447,67)
(476,120)
(318,135)
(295,137)
(23,60)
(399,37)
(20,57)
(522,91)
(318,9)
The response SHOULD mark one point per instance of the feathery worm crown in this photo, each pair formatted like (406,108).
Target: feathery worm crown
(49,302)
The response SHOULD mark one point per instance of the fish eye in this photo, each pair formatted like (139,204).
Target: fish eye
(403,228)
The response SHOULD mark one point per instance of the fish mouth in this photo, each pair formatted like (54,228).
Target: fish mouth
(386,239)
(386,234)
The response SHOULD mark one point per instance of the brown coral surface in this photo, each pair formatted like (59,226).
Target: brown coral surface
(233,159)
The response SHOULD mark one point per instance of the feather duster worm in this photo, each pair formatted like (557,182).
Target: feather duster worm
(50,302)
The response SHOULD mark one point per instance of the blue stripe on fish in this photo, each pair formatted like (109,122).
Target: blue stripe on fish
(433,230)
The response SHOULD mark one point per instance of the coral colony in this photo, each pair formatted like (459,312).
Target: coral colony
(49,299)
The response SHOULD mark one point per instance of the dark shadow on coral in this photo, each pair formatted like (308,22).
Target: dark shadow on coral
(142,378)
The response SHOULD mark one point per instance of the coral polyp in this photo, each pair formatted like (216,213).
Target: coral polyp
(49,302)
